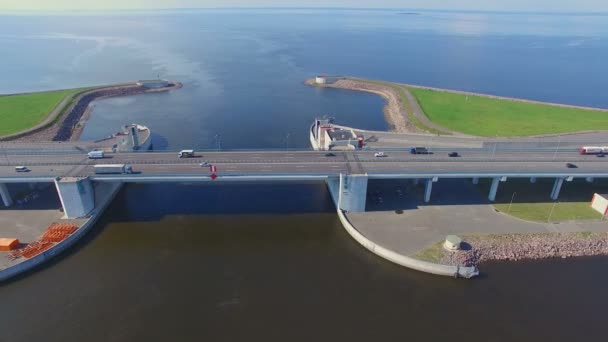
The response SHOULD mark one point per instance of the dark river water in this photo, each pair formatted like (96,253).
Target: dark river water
(270,262)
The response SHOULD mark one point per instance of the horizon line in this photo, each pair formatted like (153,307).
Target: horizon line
(301,8)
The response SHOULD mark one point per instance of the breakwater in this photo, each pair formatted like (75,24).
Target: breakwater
(395,113)
(514,247)
(64,125)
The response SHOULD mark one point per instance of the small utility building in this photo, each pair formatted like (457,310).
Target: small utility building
(600,203)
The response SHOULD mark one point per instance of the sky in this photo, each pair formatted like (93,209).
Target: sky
(482,5)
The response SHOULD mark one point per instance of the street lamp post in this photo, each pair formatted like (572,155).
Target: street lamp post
(551,212)
(218,141)
(511,203)
(559,142)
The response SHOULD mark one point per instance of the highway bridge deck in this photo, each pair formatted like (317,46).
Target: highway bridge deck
(471,162)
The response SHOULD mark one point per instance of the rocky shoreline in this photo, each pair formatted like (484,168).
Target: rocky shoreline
(514,247)
(394,111)
(70,124)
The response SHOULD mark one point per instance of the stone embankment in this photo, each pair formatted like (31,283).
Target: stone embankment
(67,127)
(514,247)
(394,110)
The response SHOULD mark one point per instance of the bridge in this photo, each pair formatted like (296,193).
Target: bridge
(346,173)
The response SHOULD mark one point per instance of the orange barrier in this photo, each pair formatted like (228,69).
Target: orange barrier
(56,232)
(8,244)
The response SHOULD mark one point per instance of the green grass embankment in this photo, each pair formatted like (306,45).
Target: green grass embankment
(20,112)
(531,201)
(484,116)
(401,89)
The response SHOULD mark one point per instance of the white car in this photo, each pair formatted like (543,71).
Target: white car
(379,154)
(21,169)
(204,164)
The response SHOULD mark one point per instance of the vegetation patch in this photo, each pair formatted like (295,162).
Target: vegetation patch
(434,253)
(532,202)
(20,112)
(485,116)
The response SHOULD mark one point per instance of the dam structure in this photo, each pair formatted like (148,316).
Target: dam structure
(346,172)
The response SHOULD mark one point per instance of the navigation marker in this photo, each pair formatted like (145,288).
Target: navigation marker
(213,176)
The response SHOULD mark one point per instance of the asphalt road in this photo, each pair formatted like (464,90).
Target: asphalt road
(308,162)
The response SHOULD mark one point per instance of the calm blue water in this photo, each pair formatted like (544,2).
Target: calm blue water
(170,266)
(243,69)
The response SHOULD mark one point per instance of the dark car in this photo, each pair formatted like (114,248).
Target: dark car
(601,154)
(330,154)
(453,154)
(571,166)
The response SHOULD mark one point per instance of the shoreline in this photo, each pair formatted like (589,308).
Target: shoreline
(478,249)
(394,112)
(66,121)
(404,114)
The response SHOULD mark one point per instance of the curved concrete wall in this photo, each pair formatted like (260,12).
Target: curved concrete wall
(29,264)
(419,265)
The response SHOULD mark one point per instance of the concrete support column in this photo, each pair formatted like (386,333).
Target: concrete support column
(494,188)
(415,181)
(557,186)
(589,179)
(475,180)
(6,196)
(77,196)
(532,179)
(427,190)
(349,192)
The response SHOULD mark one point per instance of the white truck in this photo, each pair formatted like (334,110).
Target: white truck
(186,154)
(96,155)
(113,168)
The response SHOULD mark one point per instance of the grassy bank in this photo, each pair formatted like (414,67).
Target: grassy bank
(20,112)
(531,201)
(483,116)
(401,90)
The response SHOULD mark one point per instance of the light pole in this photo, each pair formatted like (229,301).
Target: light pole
(559,142)
(8,162)
(218,141)
(551,212)
(511,203)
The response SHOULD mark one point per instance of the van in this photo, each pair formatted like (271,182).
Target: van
(419,150)
(186,154)
(95,154)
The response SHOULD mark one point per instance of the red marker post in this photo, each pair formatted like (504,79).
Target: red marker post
(213,170)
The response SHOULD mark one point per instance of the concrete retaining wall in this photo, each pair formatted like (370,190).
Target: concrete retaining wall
(29,264)
(419,265)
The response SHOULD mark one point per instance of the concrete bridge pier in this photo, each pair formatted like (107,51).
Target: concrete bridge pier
(77,196)
(532,180)
(6,196)
(589,179)
(429,188)
(557,186)
(475,180)
(494,187)
(349,192)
